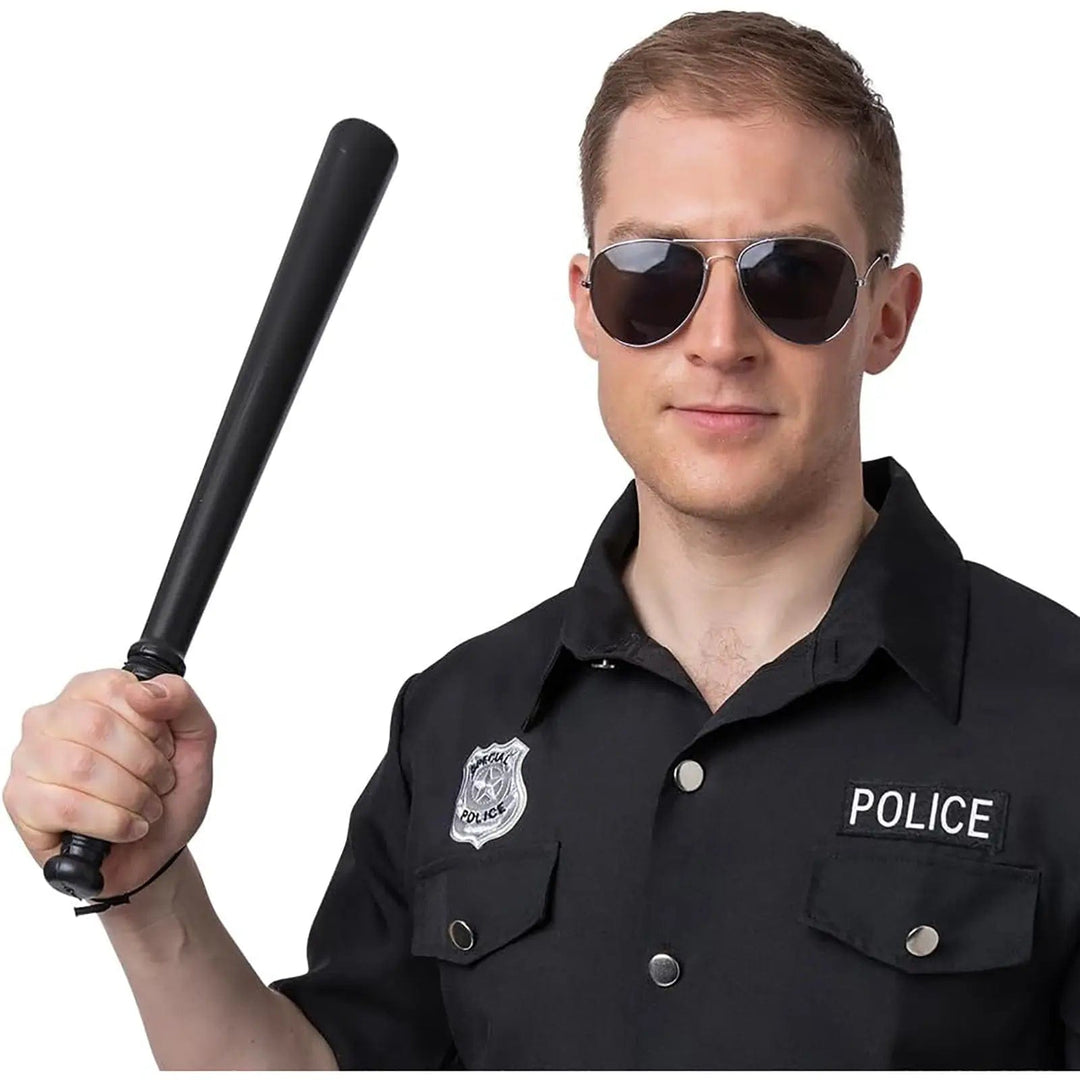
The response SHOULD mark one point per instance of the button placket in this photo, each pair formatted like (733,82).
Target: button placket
(664,969)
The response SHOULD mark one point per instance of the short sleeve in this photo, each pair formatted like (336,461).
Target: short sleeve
(377,1005)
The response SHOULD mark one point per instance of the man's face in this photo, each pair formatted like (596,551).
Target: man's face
(721,178)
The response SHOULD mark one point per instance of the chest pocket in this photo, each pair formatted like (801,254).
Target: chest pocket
(974,915)
(465,907)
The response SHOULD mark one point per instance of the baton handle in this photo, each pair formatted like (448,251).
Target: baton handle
(76,869)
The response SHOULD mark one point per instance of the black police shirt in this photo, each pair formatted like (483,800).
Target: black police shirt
(867,857)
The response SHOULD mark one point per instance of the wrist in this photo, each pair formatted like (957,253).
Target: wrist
(151,902)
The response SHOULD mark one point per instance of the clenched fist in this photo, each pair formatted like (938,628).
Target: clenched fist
(118,759)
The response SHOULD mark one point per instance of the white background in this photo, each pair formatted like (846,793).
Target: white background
(444,466)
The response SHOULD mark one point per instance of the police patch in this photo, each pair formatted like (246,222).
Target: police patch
(492,796)
(943,814)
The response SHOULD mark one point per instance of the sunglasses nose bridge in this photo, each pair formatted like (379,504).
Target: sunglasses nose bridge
(708,261)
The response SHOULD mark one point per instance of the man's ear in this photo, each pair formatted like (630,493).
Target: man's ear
(894,313)
(584,321)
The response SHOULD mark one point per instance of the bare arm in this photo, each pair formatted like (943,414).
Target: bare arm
(202,1004)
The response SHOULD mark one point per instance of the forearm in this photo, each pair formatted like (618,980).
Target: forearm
(202,1004)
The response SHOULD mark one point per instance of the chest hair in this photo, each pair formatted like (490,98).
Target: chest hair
(719,664)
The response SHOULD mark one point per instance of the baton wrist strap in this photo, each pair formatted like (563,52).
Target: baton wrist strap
(122,898)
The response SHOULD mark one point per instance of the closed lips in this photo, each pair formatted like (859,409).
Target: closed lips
(725,408)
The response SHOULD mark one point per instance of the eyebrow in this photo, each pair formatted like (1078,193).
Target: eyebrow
(636,228)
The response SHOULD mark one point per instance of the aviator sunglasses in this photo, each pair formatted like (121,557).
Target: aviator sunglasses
(803,289)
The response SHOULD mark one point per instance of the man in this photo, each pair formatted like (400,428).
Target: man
(782,781)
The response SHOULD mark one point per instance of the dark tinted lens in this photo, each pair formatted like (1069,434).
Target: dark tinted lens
(803,290)
(642,290)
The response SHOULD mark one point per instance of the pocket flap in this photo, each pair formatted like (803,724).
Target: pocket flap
(981,914)
(497,897)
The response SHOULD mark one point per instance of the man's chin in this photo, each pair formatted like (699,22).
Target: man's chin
(714,494)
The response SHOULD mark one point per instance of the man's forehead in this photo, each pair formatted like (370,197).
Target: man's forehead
(671,175)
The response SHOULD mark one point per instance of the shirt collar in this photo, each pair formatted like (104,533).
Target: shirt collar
(905,590)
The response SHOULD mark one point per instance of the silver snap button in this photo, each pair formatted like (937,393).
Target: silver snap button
(922,940)
(663,969)
(689,775)
(602,663)
(461,935)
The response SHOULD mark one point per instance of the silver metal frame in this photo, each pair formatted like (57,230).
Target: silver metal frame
(708,260)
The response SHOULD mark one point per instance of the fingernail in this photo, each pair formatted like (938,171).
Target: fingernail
(156,689)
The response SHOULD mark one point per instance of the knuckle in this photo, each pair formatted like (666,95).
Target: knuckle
(10,797)
(81,763)
(66,808)
(97,724)
(101,686)
(35,720)
(18,754)
(115,679)
(30,718)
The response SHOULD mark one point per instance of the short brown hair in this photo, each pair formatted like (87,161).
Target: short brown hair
(735,63)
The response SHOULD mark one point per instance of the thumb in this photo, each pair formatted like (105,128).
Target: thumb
(170,699)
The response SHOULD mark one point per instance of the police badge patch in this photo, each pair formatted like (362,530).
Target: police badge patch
(492,795)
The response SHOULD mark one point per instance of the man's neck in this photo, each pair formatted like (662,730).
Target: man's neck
(717,597)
